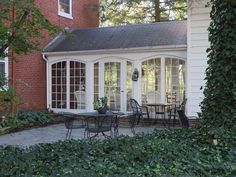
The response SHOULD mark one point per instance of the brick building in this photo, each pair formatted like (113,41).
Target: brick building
(28,72)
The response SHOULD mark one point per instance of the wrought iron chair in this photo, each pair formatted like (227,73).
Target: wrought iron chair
(183,118)
(80,98)
(100,124)
(173,112)
(138,111)
(71,123)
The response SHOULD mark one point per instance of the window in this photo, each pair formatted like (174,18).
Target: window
(175,77)
(72,95)
(65,8)
(77,85)
(3,69)
(59,85)
(96,81)
(151,81)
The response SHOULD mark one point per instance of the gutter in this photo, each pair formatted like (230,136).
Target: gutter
(121,50)
(47,78)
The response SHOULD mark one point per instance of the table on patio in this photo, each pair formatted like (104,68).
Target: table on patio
(160,110)
(100,123)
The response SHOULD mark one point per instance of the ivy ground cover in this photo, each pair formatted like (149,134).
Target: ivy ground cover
(179,152)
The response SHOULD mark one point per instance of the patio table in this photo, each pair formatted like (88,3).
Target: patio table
(160,109)
(101,122)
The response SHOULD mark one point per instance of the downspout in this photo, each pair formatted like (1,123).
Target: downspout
(47,85)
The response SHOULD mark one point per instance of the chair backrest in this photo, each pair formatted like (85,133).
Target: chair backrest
(80,98)
(68,119)
(136,108)
(171,98)
(99,124)
(183,119)
(183,104)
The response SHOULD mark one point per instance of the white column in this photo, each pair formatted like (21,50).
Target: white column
(89,86)
(137,90)
(163,80)
(101,78)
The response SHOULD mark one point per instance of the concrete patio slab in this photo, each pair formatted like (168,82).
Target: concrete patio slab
(54,133)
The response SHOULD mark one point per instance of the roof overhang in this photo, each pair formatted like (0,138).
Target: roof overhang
(120,50)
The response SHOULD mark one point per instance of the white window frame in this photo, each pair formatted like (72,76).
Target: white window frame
(63,14)
(5,60)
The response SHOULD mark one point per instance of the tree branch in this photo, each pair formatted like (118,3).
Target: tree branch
(16,27)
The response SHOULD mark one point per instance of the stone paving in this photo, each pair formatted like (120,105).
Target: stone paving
(52,134)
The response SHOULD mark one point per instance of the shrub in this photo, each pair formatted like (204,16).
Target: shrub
(35,116)
(182,152)
(27,119)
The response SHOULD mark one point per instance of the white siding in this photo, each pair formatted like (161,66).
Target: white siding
(198,22)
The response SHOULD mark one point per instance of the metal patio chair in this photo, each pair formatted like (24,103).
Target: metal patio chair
(100,124)
(183,119)
(173,111)
(71,122)
(139,111)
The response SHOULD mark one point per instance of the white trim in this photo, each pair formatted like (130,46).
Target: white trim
(6,68)
(123,50)
(63,14)
(89,84)
(68,84)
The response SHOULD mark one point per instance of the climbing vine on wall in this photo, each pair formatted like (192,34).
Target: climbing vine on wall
(219,104)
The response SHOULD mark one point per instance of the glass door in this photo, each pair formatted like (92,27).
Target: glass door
(112,84)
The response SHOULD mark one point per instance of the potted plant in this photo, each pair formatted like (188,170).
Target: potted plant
(101,105)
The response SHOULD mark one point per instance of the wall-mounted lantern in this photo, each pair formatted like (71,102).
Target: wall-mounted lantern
(135,75)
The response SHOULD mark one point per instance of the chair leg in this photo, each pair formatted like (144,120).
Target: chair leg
(132,130)
(70,133)
(67,133)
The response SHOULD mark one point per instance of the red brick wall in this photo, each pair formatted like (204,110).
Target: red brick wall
(29,72)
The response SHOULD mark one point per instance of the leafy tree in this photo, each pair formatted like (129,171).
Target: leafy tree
(219,104)
(116,12)
(21,26)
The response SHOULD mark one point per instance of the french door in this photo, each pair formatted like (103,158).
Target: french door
(114,81)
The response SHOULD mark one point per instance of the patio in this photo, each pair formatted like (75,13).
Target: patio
(55,133)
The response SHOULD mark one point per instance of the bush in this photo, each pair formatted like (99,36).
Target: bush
(182,152)
(27,119)
(35,116)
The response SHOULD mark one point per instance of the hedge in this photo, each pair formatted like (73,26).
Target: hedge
(179,152)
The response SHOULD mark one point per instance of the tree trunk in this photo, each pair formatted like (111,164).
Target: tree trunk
(157,10)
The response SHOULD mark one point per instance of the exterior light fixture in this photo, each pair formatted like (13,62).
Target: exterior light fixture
(135,75)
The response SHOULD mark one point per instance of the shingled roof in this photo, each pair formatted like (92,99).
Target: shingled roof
(122,37)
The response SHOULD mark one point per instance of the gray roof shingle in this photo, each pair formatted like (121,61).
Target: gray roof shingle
(122,37)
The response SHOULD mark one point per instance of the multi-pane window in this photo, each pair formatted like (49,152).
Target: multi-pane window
(77,85)
(96,81)
(129,83)
(175,77)
(2,67)
(76,88)
(65,7)
(112,84)
(59,85)
(151,81)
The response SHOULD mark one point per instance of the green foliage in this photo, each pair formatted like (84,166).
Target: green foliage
(219,104)
(27,119)
(22,26)
(121,12)
(100,103)
(180,152)
(9,99)
(35,116)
